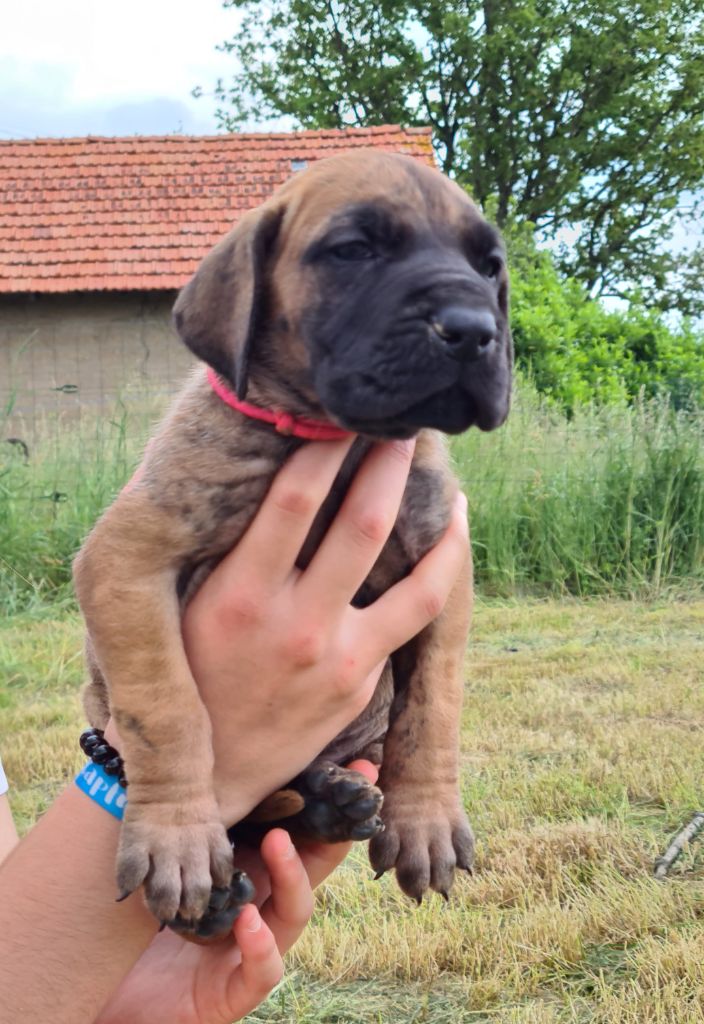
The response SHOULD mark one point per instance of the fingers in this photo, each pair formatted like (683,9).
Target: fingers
(290,905)
(257,966)
(263,938)
(269,548)
(361,528)
(364,768)
(409,606)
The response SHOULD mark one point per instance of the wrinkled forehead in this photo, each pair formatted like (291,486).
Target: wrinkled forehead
(377,195)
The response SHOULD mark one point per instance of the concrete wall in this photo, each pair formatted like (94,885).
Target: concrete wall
(69,354)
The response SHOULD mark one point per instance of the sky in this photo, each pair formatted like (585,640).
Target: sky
(91,67)
(100,67)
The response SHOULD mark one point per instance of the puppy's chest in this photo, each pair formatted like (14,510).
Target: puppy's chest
(220,515)
(422,519)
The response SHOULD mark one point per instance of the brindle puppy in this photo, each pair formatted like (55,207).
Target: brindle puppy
(368,291)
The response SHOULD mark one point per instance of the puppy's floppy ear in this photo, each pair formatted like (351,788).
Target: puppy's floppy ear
(218,311)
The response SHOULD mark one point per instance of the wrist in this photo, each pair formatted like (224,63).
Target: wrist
(239,787)
(104,790)
(234,804)
(112,735)
(102,779)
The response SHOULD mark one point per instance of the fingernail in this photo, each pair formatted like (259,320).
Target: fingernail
(461,500)
(290,852)
(256,922)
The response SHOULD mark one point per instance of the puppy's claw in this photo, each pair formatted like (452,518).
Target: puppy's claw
(444,895)
(367,829)
(123,895)
(378,875)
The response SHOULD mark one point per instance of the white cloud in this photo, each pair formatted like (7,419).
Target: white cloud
(78,67)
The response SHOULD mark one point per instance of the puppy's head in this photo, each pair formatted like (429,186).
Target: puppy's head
(370,290)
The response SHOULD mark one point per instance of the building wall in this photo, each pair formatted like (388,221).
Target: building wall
(69,354)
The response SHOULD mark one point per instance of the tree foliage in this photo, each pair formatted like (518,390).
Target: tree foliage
(584,117)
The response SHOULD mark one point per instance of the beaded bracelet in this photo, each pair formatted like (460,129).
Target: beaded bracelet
(93,744)
(103,778)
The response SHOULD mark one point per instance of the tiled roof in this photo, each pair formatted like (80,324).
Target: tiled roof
(131,213)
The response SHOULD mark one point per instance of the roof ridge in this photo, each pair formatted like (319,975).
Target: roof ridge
(178,138)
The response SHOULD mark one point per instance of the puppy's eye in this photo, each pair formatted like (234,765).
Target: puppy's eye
(352,251)
(493,265)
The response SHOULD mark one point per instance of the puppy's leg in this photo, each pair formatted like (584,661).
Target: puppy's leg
(94,694)
(340,804)
(427,834)
(172,837)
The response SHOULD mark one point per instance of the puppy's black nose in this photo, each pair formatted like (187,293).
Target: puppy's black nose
(467,334)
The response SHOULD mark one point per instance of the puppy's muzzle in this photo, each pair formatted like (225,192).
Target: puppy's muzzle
(465,334)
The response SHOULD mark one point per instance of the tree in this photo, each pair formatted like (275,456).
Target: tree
(585,117)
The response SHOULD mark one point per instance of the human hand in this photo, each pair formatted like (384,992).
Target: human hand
(282,659)
(217,984)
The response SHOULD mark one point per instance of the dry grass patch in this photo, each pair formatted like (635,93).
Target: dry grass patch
(583,753)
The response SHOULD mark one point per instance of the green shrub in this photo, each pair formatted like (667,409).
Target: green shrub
(578,351)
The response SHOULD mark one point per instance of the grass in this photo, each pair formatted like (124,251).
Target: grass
(51,495)
(609,501)
(583,754)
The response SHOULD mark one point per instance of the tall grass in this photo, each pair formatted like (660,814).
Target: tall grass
(52,493)
(608,501)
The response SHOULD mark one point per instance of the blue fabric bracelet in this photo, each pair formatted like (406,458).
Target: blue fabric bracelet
(94,781)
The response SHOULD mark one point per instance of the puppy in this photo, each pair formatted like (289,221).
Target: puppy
(367,294)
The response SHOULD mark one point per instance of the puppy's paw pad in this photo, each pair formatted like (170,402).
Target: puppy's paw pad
(339,804)
(224,906)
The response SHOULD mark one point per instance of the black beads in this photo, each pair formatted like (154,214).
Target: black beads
(90,739)
(113,766)
(93,744)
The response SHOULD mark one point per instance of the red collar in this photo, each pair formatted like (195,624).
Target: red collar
(284,422)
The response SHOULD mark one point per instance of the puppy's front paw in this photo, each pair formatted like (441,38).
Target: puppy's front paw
(179,854)
(425,847)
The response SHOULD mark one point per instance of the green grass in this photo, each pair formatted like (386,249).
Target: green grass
(610,501)
(50,499)
(582,755)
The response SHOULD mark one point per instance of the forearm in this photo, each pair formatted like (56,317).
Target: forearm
(66,943)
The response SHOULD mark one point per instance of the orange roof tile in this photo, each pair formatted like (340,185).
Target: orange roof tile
(138,213)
